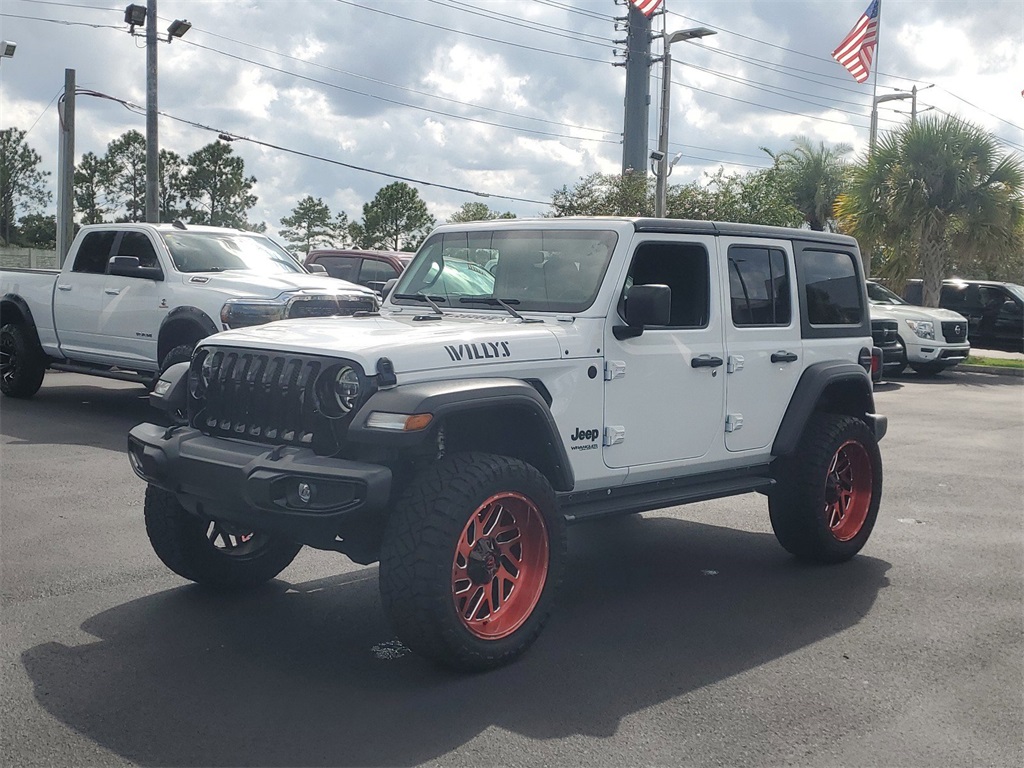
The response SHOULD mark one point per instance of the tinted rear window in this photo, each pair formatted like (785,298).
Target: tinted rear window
(832,290)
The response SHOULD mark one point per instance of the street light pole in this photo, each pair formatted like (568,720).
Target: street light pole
(662,168)
(874,112)
(152,138)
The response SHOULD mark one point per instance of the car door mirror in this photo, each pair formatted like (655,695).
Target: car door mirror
(130,266)
(387,288)
(645,305)
(316,269)
(1011,307)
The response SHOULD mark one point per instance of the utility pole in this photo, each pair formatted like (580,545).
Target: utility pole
(152,138)
(638,93)
(66,168)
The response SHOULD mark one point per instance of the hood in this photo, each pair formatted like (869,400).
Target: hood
(411,345)
(912,312)
(242,283)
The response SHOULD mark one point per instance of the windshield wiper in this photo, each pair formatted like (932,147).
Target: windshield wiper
(431,300)
(496,302)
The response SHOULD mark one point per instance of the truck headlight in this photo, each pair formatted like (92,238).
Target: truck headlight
(241,313)
(923,328)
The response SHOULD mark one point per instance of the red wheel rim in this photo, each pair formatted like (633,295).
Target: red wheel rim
(848,488)
(500,566)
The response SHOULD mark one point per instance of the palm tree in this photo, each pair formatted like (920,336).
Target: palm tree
(934,190)
(815,176)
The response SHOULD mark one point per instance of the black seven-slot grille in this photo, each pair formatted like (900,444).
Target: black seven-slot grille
(954,331)
(884,332)
(262,397)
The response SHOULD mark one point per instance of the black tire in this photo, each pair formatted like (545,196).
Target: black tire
(22,362)
(179,354)
(436,564)
(928,369)
(826,497)
(896,371)
(208,552)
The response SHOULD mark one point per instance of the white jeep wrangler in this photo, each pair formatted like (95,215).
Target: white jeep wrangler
(607,366)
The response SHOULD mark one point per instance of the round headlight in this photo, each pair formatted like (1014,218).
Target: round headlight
(338,390)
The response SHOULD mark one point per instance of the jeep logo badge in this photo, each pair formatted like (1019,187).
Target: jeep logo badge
(590,435)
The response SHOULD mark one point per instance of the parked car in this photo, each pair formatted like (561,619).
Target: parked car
(892,358)
(932,340)
(371,269)
(994,310)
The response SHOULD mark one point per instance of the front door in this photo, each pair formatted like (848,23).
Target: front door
(664,389)
(129,316)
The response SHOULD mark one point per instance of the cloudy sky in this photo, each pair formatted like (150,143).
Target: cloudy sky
(511,98)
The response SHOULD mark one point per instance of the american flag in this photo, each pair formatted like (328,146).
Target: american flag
(858,47)
(647,7)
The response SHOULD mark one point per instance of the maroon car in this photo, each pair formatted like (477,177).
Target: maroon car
(369,268)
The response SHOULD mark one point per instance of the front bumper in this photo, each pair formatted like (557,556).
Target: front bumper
(927,351)
(278,489)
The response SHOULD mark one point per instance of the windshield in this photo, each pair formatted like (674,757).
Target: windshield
(879,295)
(1016,290)
(223,251)
(534,270)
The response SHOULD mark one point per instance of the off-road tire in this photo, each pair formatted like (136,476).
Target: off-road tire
(423,568)
(896,371)
(826,497)
(22,362)
(179,354)
(185,543)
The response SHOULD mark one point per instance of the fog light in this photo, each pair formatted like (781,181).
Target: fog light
(305,492)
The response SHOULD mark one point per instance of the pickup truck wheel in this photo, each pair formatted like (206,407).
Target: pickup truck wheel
(827,495)
(896,371)
(210,552)
(928,369)
(472,557)
(22,363)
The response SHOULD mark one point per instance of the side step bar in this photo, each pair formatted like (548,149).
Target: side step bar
(588,505)
(106,373)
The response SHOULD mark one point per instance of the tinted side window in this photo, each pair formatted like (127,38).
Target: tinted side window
(94,252)
(375,273)
(832,291)
(684,269)
(137,244)
(342,267)
(758,286)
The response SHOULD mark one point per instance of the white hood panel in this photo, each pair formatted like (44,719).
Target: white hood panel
(911,312)
(241,283)
(411,345)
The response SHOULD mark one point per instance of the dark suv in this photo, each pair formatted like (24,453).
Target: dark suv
(994,310)
(371,269)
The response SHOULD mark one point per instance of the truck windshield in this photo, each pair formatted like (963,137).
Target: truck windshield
(534,269)
(878,294)
(223,251)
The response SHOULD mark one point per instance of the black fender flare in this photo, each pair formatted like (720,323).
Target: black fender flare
(192,315)
(446,398)
(810,392)
(26,313)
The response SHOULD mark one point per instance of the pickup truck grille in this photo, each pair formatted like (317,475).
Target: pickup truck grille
(884,332)
(323,306)
(261,397)
(955,331)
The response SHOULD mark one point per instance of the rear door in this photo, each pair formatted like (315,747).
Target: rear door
(764,352)
(78,295)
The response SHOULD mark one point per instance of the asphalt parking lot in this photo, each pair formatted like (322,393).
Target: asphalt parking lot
(683,637)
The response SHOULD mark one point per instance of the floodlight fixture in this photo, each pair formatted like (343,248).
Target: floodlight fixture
(7,49)
(178,28)
(135,15)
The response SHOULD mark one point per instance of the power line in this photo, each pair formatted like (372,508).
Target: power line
(471,34)
(580,11)
(229,136)
(517,22)
(59,21)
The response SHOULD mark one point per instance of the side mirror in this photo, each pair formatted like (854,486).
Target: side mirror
(1011,307)
(388,287)
(129,266)
(645,305)
(316,269)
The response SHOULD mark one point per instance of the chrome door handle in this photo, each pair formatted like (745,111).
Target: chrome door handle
(783,357)
(64,287)
(112,291)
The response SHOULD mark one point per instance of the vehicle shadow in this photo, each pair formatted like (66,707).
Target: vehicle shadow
(961,378)
(73,409)
(308,674)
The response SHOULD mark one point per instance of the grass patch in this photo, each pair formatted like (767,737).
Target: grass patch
(995,362)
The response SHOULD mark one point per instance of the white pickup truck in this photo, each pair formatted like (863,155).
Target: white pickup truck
(929,340)
(133,299)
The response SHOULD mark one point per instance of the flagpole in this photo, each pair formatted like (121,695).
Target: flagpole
(874,89)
